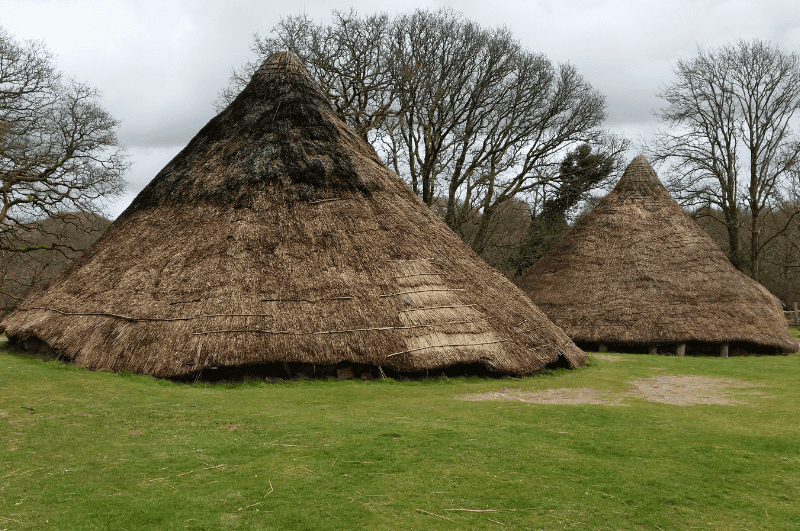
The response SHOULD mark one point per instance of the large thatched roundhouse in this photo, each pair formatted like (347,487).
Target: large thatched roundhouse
(637,274)
(277,236)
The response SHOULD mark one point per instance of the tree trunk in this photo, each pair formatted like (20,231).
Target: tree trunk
(427,182)
(450,215)
(732,226)
(479,242)
(755,210)
(754,244)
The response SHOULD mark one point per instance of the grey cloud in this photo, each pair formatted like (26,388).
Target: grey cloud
(161,63)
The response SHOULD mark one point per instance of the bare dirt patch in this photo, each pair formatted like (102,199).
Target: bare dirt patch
(687,390)
(567,396)
(680,390)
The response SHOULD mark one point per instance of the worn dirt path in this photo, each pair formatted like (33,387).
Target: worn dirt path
(679,390)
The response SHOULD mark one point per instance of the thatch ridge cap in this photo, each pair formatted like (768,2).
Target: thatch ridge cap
(639,171)
(282,64)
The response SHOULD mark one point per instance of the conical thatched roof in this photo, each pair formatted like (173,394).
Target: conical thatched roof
(277,235)
(637,270)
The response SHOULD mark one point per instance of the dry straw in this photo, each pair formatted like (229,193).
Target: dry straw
(637,270)
(277,235)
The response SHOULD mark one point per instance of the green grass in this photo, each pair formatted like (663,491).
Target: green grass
(121,451)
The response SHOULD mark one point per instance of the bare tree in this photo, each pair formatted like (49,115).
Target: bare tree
(481,119)
(59,152)
(349,59)
(460,112)
(727,140)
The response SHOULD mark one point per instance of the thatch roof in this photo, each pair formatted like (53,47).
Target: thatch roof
(637,270)
(277,235)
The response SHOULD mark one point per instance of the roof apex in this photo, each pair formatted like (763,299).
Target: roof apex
(282,64)
(639,170)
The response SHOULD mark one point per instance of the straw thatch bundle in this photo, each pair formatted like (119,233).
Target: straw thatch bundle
(277,235)
(637,270)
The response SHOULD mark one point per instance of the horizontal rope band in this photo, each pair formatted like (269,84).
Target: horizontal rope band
(323,332)
(445,346)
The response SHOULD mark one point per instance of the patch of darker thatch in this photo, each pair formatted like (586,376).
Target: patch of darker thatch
(277,134)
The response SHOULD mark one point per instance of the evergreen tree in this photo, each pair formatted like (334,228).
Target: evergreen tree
(579,173)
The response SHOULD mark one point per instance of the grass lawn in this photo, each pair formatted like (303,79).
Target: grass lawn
(94,450)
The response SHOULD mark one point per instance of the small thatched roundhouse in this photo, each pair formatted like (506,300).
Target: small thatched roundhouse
(637,274)
(277,236)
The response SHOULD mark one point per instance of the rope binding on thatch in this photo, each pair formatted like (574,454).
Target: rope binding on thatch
(445,346)
(422,291)
(323,332)
(144,319)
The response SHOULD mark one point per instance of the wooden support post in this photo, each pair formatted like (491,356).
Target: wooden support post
(723,350)
(287,369)
(680,350)
(653,350)
(796,316)
(602,348)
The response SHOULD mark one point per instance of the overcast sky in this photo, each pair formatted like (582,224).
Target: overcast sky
(161,63)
